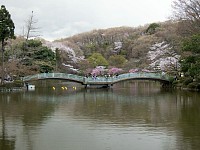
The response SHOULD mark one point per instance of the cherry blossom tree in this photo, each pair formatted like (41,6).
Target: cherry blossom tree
(133,70)
(114,71)
(99,70)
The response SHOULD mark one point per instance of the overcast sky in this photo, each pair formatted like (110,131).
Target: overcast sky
(64,18)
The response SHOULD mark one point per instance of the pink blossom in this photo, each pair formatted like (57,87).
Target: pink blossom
(97,71)
(133,70)
(114,71)
(145,70)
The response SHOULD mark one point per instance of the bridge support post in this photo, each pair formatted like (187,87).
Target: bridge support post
(86,86)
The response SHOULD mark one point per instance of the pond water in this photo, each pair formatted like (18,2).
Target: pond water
(132,115)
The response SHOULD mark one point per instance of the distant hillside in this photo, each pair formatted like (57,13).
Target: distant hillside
(136,45)
(153,46)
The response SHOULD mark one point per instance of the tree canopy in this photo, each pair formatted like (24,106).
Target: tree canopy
(192,44)
(191,63)
(117,60)
(97,60)
(40,56)
(188,14)
(152,28)
(7,28)
(6,25)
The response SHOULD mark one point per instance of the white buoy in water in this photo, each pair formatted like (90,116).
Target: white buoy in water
(31,87)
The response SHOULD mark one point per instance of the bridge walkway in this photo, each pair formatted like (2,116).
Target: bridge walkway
(107,81)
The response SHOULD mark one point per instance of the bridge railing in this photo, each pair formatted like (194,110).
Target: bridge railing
(97,80)
(54,75)
(113,79)
(30,77)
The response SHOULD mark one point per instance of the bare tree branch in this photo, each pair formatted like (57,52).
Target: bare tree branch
(187,12)
(31,28)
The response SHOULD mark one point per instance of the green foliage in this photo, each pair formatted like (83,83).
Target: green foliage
(105,44)
(45,54)
(194,85)
(187,63)
(34,43)
(44,66)
(6,25)
(89,49)
(97,60)
(198,78)
(171,79)
(152,28)
(7,28)
(190,65)
(192,44)
(45,59)
(187,80)
(39,57)
(175,82)
(194,70)
(123,52)
(117,60)
(27,61)
(102,47)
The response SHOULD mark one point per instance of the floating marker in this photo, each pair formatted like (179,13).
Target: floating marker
(62,87)
(65,88)
(74,87)
(53,88)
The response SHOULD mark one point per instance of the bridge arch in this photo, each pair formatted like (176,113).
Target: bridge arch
(98,81)
(59,76)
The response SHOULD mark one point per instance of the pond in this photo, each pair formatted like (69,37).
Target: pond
(131,115)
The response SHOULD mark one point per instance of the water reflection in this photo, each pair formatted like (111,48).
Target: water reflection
(189,120)
(131,115)
(21,112)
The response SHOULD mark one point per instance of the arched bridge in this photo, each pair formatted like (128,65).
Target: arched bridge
(100,81)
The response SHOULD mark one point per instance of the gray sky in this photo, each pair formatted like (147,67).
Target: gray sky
(63,18)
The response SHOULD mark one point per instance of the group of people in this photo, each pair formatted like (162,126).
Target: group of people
(105,76)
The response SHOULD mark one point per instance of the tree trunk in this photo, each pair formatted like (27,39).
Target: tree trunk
(2,73)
